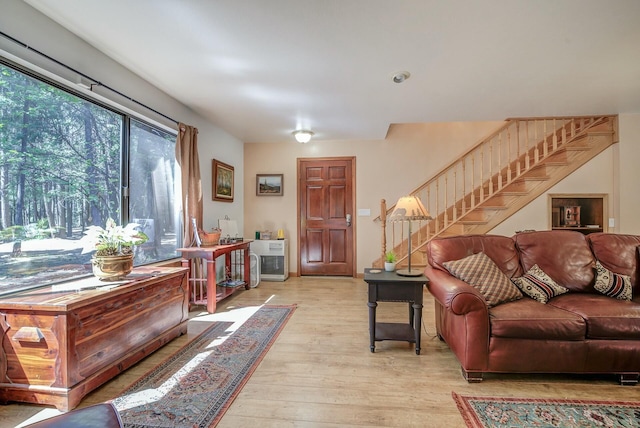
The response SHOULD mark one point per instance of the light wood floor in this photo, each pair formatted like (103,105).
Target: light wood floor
(320,372)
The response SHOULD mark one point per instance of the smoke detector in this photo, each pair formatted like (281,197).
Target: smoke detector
(401,76)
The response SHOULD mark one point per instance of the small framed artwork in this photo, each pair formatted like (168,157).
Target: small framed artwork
(269,184)
(222,181)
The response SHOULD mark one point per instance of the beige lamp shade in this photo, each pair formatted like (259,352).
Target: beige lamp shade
(409,208)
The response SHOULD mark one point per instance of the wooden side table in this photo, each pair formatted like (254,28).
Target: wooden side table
(391,287)
(203,283)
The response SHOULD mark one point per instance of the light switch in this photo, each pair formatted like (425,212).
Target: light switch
(364,212)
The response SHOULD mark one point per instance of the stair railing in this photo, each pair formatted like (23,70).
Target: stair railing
(492,164)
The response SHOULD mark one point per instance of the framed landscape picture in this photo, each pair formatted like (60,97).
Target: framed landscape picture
(269,184)
(222,182)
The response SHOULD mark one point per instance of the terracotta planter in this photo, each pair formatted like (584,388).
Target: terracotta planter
(112,268)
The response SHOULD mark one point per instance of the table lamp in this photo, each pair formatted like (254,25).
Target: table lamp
(409,208)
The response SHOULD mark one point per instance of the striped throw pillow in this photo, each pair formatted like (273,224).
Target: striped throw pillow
(613,284)
(538,285)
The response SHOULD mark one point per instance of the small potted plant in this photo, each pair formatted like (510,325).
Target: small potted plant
(390,260)
(113,245)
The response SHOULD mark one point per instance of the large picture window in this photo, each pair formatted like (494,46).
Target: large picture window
(67,162)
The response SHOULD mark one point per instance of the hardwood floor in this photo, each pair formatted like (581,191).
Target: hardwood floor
(320,372)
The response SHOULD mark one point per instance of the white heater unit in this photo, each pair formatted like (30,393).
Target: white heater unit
(274,258)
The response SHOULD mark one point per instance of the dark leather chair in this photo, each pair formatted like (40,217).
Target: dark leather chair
(103,415)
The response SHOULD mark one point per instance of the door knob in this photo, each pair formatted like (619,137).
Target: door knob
(348,219)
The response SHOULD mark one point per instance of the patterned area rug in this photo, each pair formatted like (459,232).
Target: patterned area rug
(196,385)
(485,412)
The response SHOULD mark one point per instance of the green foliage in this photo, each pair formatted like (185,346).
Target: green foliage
(58,149)
(13,233)
(390,257)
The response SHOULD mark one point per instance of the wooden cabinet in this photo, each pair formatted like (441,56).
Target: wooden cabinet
(60,342)
(583,212)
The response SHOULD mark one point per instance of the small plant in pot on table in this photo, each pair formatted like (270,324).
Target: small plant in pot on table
(390,260)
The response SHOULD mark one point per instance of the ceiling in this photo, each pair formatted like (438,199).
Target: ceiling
(260,69)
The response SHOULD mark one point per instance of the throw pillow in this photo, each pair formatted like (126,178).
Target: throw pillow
(612,284)
(538,285)
(482,273)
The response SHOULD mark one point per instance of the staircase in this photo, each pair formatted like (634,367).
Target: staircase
(497,177)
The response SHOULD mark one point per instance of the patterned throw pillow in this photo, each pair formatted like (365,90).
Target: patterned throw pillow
(538,285)
(482,273)
(612,284)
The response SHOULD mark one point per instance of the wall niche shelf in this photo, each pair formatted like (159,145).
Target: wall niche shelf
(583,212)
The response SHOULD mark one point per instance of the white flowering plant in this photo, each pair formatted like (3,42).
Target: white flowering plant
(113,239)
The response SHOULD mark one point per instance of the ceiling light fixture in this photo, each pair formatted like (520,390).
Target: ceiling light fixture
(401,76)
(302,136)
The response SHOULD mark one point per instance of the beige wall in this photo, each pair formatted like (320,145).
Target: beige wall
(594,177)
(614,172)
(411,153)
(385,169)
(629,177)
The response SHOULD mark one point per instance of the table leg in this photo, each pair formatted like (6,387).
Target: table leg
(417,324)
(372,325)
(247,269)
(187,264)
(212,291)
(411,315)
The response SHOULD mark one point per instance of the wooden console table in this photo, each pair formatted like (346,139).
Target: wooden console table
(202,278)
(60,342)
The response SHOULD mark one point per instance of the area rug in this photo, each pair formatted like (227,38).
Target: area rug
(196,385)
(485,412)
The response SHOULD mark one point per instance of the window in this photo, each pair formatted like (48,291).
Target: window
(66,163)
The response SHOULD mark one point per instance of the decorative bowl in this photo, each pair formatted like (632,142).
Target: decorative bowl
(209,239)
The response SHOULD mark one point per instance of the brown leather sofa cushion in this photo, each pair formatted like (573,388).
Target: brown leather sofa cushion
(529,319)
(606,317)
(617,253)
(563,255)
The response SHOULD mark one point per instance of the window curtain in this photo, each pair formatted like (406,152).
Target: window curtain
(187,158)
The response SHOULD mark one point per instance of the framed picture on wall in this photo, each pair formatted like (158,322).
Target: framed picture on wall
(269,184)
(222,181)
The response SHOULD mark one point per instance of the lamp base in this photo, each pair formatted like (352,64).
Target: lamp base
(407,272)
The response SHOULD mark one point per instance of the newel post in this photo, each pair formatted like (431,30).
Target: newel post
(383,220)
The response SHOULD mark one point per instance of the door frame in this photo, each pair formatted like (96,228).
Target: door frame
(352,159)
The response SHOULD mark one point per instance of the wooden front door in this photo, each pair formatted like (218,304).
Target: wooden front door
(326,215)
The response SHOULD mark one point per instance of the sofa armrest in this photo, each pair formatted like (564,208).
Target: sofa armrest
(455,295)
(462,319)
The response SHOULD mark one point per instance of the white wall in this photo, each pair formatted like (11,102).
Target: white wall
(22,22)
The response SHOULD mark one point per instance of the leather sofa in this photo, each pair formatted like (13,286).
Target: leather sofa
(581,330)
(103,415)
